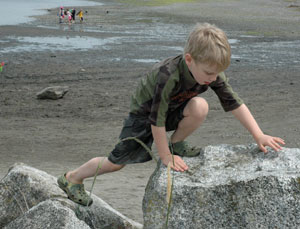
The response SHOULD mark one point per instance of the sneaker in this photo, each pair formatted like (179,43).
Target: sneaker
(75,192)
(183,149)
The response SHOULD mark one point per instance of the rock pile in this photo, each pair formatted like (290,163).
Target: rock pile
(30,198)
(226,187)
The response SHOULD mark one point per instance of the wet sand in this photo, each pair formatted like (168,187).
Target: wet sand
(102,60)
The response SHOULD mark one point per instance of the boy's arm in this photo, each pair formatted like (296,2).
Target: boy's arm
(243,114)
(161,142)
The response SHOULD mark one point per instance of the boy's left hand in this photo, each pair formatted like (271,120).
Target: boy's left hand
(273,142)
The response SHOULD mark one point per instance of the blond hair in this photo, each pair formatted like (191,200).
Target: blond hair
(209,44)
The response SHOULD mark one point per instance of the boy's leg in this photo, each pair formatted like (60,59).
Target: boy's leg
(124,152)
(89,169)
(194,114)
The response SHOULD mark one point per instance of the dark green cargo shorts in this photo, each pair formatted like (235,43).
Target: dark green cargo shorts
(130,151)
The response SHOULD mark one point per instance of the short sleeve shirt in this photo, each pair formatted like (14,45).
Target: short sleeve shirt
(170,84)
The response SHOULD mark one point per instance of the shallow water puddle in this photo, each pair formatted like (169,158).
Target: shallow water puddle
(146,60)
(272,53)
(28,44)
(233,41)
(268,53)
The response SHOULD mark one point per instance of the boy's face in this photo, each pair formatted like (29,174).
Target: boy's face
(203,73)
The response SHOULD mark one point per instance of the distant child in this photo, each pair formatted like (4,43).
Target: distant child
(69,16)
(61,15)
(80,15)
(166,100)
(73,14)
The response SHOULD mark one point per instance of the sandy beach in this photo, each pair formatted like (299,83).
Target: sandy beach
(101,61)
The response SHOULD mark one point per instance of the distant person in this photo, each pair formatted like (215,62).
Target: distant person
(61,14)
(80,15)
(69,15)
(73,14)
(166,99)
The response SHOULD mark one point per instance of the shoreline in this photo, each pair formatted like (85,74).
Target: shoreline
(25,14)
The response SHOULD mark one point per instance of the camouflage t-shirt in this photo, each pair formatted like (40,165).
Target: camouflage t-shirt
(169,84)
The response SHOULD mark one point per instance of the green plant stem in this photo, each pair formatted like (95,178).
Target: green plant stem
(94,181)
(125,139)
(169,204)
(152,155)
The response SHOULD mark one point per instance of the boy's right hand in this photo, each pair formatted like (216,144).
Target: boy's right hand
(179,165)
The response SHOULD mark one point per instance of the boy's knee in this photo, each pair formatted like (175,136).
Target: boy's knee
(115,167)
(198,108)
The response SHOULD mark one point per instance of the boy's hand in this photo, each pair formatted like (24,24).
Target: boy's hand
(273,142)
(179,165)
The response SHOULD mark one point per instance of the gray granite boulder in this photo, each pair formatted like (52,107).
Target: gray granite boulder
(25,187)
(228,187)
(48,214)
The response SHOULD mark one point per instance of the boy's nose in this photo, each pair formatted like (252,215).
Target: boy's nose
(213,78)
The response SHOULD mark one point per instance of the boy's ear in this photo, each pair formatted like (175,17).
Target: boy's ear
(188,59)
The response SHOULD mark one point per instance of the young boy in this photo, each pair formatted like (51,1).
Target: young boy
(166,100)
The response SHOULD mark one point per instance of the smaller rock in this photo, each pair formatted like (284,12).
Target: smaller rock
(55,92)
(48,214)
(293,6)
